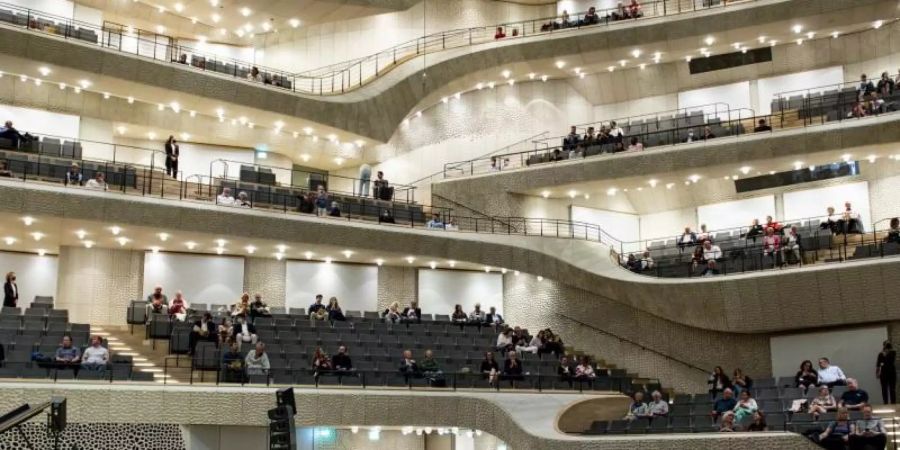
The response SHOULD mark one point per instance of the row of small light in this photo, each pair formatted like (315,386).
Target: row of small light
(245,30)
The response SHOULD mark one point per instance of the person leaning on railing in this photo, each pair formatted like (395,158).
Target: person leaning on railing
(893,234)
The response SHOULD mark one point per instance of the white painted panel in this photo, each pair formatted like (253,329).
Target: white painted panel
(666,224)
(766,88)
(58,8)
(622,226)
(735,95)
(35,121)
(203,279)
(737,213)
(35,275)
(354,285)
(813,202)
(577,6)
(226,52)
(440,290)
(89,15)
(854,351)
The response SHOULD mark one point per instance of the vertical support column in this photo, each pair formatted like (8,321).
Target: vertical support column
(97,284)
(397,284)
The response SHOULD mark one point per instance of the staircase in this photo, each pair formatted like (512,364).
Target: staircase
(147,357)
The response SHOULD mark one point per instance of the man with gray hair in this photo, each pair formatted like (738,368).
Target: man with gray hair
(658,407)
(854,398)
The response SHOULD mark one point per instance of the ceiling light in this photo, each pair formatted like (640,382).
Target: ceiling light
(190,245)
(445,100)
(151,135)
(347,253)
(305,157)
(161,9)
(245,11)
(9,240)
(294,23)
(88,244)
(506,73)
(85,84)
(622,62)
(670,185)
(37,81)
(216,18)
(577,70)
(516,273)
(799,41)
(163,236)
(736,45)
(338,161)
(160,29)
(544,78)
(872,158)
(62,86)
(266,26)
(281,248)
(539,278)
(798,165)
(588,196)
(379,261)
(653,182)
(572,194)
(354,429)
(479,86)
(531,75)
(810,35)
(43,70)
(221,242)
(154,249)
(106,95)
(560,64)
(511,82)
(611,191)
(41,252)
(220,250)
(410,259)
(308,255)
(279,256)
(581,75)
(846,157)
(797,29)
(503,271)
(835,34)
(545,194)
(23,77)
(433,265)
(115,230)
(239,32)
(328,260)
(490,85)
(122,240)
(773,42)
(80,233)
(709,40)
(636,53)
(194,20)
(451,263)
(179,7)
(487,269)
(130,100)
(877,24)
(745,170)
(250,249)
(457,95)
(160,107)
(611,68)
(175,107)
(642,66)
(687,58)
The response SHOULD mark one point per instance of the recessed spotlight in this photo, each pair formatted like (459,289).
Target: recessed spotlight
(451,263)
(642,66)
(457,95)
(581,75)
(516,273)
(84,84)
(572,194)
(9,240)
(745,170)
(122,240)
(216,18)
(245,11)
(106,96)
(506,73)
(511,82)
(487,269)
(445,100)
(761,39)
(479,86)
(179,7)
(797,29)
(163,236)
(339,161)
(653,182)
(531,75)
(539,278)
(194,20)
(250,249)
(220,250)
(294,22)
(279,256)
(379,261)
(154,249)
(37,81)
(23,78)
(835,34)
(544,78)
(687,58)
(612,191)
(669,186)
(308,255)
(560,64)
(81,234)
(871,158)
(773,42)
(810,35)
(328,260)
(587,196)
(709,40)
(490,85)
(545,194)
(28,220)
(846,157)
(221,242)
(410,259)
(160,29)
(623,62)
(433,265)
(305,157)
(88,244)
(799,41)
(636,53)
(190,245)
(41,252)
(877,24)
(577,69)
(611,68)
(160,107)
(347,253)
(130,100)
(62,86)
(115,230)
(44,71)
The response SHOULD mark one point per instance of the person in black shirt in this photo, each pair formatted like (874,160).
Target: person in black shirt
(489,368)
(315,307)
(762,126)
(307,203)
(386,217)
(172,154)
(759,422)
(512,367)
(74,176)
(886,371)
(894,232)
(806,376)
(565,371)
(854,398)
(341,361)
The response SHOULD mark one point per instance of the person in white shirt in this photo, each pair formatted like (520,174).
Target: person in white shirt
(790,246)
(435,222)
(244,332)
(658,407)
(533,347)
(451,225)
(257,361)
(98,183)
(95,357)
(225,197)
(504,341)
(830,375)
(243,200)
(711,251)
(703,235)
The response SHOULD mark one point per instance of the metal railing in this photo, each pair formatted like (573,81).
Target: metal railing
(340,77)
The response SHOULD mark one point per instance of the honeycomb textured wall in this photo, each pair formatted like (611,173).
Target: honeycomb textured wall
(397,283)
(96,285)
(98,436)
(266,276)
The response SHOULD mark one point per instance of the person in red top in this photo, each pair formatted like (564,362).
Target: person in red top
(178,306)
(634,9)
(499,34)
(773,224)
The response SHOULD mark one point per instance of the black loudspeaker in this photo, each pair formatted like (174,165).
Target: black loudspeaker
(285,397)
(282,434)
(57,414)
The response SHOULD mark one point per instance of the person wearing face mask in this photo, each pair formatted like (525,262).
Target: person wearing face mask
(10,291)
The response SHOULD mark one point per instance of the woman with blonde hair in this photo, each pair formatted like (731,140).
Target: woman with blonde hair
(393,313)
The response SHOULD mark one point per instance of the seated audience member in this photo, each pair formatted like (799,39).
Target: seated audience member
(552,343)
(74,177)
(495,167)
(854,398)
(837,433)
(241,308)
(95,357)
(740,382)
(771,242)
(711,269)
(307,203)
(727,423)
(499,34)
(257,360)
(635,145)
(533,346)
(242,200)
(393,313)
(320,362)
(98,183)
(687,238)
(512,367)
(225,332)
(458,316)
(490,370)
(386,217)
(868,432)
(745,406)
(806,376)
(412,313)
(320,315)
(762,126)
(233,364)
(204,329)
(564,22)
(774,224)
(431,370)
(657,406)
(718,382)
(711,251)
(708,134)
(321,201)
(584,371)
(823,403)
(67,355)
(556,155)
(477,315)
(408,365)
(341,361)
(570,142)
(565,371)
(755,230)
(435,222)
(646,262)
(493,317)
(244,331)
(830,375)
(451,225)
(865,86)
(704,234)
(689,138)
(178,308)
(316,306)
(724,404)
(259,308)
(616,134)
(504,341)
(893,234)
(885,85)
(632,263)
(225,198)
(4,170)
(334,210)
(591,16)
(637,408)
(634,9)
(335,313)
(380,186)
(254,75)
(157,302)
(852,219)
(8,131)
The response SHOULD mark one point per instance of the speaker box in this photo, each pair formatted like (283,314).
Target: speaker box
(58,414)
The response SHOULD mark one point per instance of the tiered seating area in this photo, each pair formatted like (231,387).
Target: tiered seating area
(692,413)
(41,329)
(47,25)
(376,349)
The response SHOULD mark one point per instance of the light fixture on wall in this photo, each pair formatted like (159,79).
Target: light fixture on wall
(220,250)
(154,249)
(37,235)
(9,240)
(41,252)
(279,256)
(190,245)
(328,260)
(540,278)
(432,264)
(560,64)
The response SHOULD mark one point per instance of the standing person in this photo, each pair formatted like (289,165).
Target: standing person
(172,153)
(718,382)
(886,371)
(381,185)
(321,201)
(10,291)
(365,177)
